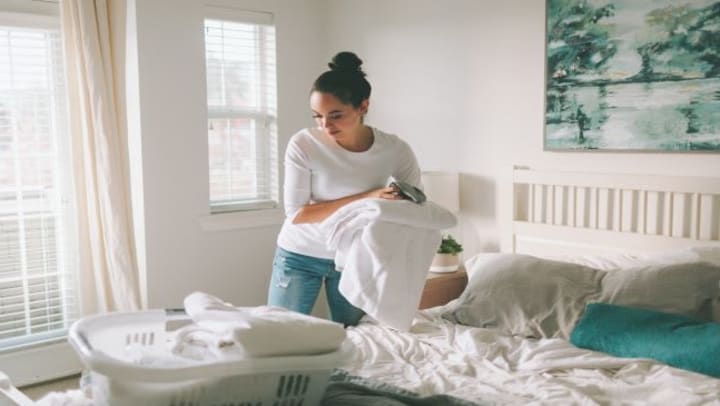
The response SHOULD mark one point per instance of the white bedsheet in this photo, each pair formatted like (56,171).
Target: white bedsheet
(476,364)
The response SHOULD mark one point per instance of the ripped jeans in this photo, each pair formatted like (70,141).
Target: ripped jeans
(295,285)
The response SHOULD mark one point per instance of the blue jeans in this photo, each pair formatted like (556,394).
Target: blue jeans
(296,281)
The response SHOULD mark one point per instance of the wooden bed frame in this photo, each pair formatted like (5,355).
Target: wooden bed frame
(559,213)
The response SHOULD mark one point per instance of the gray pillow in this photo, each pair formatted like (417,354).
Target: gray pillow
(689,289)
(525,295)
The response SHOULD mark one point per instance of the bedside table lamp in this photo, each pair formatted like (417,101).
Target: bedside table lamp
(443,188)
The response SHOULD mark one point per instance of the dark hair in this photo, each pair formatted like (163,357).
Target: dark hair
(345,80)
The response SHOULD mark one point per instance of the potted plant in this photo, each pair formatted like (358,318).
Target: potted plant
(446,258)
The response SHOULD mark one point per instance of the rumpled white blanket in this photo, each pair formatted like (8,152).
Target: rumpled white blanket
(222,331)
(481,365)
(67,398)
(384,249)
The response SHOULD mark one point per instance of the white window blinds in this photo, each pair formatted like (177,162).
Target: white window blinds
(242,113)
(38,262)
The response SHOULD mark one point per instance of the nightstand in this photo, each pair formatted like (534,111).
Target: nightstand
(441,288)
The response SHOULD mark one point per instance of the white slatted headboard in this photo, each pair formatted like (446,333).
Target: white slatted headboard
(556,213)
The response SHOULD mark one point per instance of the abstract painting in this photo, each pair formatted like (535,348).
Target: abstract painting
(633,75)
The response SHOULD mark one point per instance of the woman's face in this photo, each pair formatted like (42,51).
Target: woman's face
(338,120)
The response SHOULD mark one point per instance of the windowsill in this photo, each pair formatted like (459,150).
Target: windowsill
(242,219)
(58,360)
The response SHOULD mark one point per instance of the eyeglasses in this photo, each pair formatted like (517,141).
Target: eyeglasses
(332,116)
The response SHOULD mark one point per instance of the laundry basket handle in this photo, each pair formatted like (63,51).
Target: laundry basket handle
(79,332)
(79,340)
(9,393)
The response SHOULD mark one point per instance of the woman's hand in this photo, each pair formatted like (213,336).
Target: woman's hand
(388,192)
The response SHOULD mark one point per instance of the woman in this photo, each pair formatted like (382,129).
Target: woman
(340,161)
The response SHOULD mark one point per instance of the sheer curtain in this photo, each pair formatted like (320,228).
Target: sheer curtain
(108,269)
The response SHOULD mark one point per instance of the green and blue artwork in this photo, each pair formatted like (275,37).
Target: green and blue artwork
(639,75)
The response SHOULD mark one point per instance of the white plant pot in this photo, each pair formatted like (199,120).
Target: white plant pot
(443,263)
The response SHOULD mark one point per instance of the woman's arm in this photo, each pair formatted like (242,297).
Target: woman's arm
(317,212)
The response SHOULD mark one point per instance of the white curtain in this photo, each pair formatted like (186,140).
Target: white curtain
(108,269)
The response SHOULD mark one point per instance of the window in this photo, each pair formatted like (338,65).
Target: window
(242,112)
(38,260)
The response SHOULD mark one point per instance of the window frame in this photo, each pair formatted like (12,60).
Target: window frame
(52,351)
(266,141)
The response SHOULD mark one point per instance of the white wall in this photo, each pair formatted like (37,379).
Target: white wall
(417,70)
(463,82)
(168,147)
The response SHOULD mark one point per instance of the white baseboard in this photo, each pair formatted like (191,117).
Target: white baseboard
(40,364)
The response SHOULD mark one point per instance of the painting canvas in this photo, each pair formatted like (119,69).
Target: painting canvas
(640,75)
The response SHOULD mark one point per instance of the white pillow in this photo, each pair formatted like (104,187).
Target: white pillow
(535,297)
(525,295)
(691,289)
(709,254)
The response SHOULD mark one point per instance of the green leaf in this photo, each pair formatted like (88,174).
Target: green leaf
(449,246)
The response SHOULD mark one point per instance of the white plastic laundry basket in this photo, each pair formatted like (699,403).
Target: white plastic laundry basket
(101,342)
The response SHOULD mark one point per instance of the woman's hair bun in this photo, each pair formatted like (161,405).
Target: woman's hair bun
(346,62)
(345,80)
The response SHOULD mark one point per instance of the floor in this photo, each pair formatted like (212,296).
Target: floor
(36,392)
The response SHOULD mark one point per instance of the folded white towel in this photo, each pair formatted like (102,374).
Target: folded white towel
(229,331)
(344,227)
(384,249)
(201,306)
(353,216)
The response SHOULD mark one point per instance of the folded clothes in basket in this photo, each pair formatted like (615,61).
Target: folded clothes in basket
(222,331)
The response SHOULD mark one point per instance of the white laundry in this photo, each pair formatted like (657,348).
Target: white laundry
(221,331)
(201,306)
(67,398)
(201,343)
(139,354)
(384,249)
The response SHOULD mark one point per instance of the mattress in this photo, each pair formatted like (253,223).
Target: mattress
(479,365)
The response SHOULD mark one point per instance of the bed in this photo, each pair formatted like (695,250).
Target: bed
(580,221)
(608,218)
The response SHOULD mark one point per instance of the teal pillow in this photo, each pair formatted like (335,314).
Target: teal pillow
(629,332)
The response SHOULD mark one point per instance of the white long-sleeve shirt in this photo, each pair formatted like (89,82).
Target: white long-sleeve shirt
(317,169)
